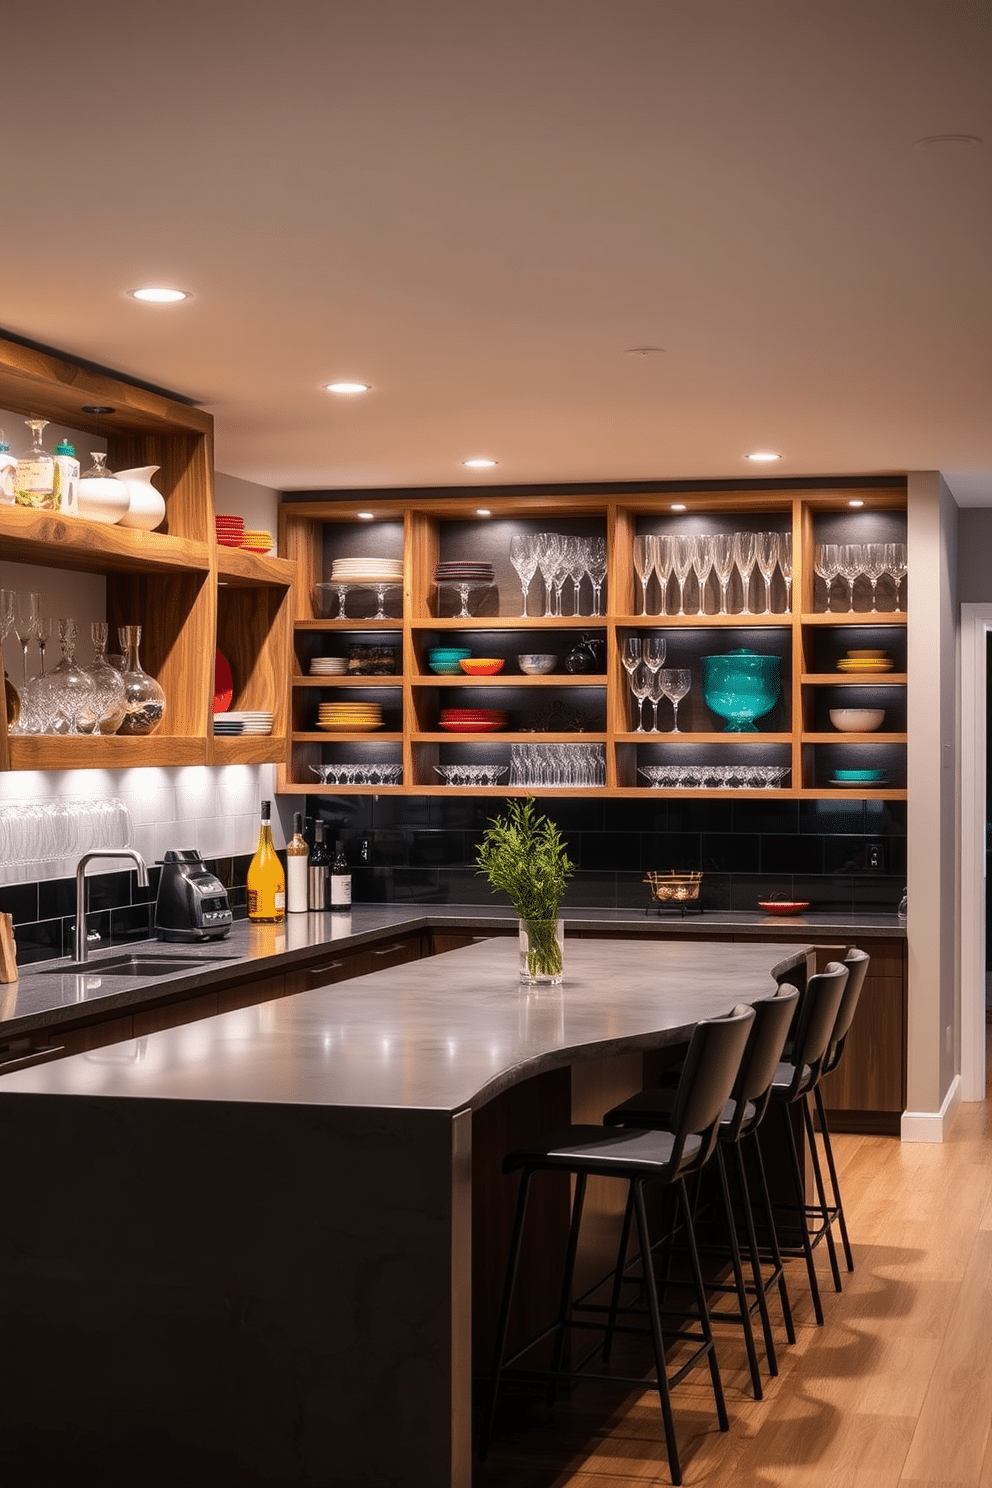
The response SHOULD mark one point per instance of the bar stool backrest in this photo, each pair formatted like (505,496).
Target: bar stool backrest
(815,1024)
(711,1066)
(857,969)
(753,1086)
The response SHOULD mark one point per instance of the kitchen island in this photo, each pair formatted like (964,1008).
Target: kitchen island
(241,1251)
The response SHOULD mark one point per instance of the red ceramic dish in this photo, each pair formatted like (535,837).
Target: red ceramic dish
(223,684)
(783,906)
(481,727)
(482,666)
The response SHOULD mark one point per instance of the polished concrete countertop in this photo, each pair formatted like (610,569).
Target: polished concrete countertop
(443,1034)
(49,996)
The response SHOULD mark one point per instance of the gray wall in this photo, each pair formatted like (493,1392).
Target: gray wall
(975,555)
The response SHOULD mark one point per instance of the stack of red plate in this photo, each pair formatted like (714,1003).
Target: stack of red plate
(472,720)
(230,530)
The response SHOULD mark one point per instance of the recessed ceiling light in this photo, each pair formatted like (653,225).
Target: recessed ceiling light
(365,516)
(678,506)
(158,295)
(479,463)
(643,351)
(347,388)
(483,511)
(932,141)
(761,456)
(855,503)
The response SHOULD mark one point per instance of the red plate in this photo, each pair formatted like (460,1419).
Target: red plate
(471,728)
(223,684)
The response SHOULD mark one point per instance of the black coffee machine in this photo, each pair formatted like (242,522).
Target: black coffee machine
(192,904)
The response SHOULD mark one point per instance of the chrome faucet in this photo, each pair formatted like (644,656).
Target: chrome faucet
(100,852)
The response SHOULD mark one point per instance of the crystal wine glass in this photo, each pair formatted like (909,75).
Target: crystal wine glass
(663,568)
(656,694)
(722,547)
(744,557)
(596,564)
(785,567)
(873,567)
(826,565)
(895,565)
(578,563)
(640,686)
(702,566)
(676,683)
(683,551)
(766,553)
(851,565)
(523,556)
(644,550)
(549,546)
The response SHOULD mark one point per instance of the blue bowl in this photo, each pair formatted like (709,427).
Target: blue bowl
(741,686)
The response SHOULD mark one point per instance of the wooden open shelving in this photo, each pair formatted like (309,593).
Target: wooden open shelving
(424,530)
(190,596)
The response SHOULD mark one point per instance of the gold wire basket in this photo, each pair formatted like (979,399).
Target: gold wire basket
(674,887)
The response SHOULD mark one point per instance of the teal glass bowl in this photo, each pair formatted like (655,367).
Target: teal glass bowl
(741,686)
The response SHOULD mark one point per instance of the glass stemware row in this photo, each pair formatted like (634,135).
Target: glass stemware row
(716,777)
(53,831)
(650,680)
(673,557)
(559,559)
(471,774)
(356,773)
(557,765)
(851,561)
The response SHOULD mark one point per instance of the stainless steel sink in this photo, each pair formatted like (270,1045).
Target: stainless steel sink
(149,964)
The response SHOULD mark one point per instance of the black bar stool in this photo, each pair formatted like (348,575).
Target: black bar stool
(796,1077)
(742,1115)
(638,1158)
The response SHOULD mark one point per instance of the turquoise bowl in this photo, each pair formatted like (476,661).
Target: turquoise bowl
(741,686)
(859,774)
(446,668)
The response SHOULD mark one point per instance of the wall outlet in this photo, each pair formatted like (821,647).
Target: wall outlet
(875,856)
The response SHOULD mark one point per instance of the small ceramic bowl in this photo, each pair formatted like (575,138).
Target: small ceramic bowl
(482,666)
(537,664)
(783,906)
(857,720)
(862,775)
(445,668)
(448,653)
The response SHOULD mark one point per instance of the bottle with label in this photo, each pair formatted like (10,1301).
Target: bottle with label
(35,483)
(8,473)
(266,880)
(339,881)
(297,858)
(66,479)
(317,874)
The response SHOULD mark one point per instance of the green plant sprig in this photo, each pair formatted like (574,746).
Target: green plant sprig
(523,856)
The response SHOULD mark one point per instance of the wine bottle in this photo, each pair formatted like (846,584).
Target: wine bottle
(297,858)
(320,863)
(266,880)
(339,881)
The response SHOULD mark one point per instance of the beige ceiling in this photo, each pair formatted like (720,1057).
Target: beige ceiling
(480,208)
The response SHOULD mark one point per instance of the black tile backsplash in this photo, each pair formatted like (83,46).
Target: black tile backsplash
(422,850)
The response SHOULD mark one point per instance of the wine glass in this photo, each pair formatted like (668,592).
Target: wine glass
(826,565)
(523,556)
(663,569)
(785,566)
(744,557)
(722,548)
(873,567)
(851,564)
(561,570)
(640,686)
(676,682)
(576,562)
(549,546)
(644,551)
(631,657)
(766,553)
(683,551)
(596,567)
(895,565)
(26,624)
(8,600)
(656,694)
(702,565)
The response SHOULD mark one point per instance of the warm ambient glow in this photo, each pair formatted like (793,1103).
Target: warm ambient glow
(678,506)
(347,387)
(483,511)
(479,464)
(365,516)
(763,455)
(855,503)
(159,296)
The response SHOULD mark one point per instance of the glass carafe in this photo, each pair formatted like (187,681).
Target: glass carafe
(145,698)
(35,479)
(109,697)
(66,694)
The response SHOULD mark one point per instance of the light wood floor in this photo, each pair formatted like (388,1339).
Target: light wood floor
(894,1392)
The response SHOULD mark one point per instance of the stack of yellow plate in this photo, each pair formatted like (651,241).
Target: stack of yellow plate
(865,661)
(339,718)
(255,540)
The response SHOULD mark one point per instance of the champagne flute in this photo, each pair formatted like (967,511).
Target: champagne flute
(895,565)
(744,557)
(631,657)
(42,636)
(785,567)
(766,552)
(549,546)
(644,550)
(702,565)
(26,624)
(663,568)
(596,567)
(676,683)
(683,550)
(577,563)
(722,547)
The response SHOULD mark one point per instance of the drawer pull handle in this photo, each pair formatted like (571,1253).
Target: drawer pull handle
(319,971)
(388,950)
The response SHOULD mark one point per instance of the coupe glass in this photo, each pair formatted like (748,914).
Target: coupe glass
(722,548)
(895,565)
(663,569)
(683,552)
(766,553)
(675,683)
(596,564)
(523,556)
(549,546)
(644,553)
(702,566)
(744,557)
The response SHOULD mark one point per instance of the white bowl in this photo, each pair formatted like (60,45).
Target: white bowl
(857,720)
(537,664)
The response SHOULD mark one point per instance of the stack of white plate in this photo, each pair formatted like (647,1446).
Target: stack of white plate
(367,571)
(246,721)
(328,666)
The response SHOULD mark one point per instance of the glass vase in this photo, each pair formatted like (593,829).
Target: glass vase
(541,944)
(109,698)
(145,698)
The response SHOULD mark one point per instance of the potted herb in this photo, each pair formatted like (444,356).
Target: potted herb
(522,855)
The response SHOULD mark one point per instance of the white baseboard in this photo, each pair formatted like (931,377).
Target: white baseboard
(932,1126)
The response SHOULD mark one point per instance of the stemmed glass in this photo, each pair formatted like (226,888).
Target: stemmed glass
(702,564)
(722,548)
(7,608)
(631,657)
(826,565)
(549,546)
(577,560)
(895,565)
(27,622)
(656,694)
(851,565)
(683,552)
(561,571)
(596,568)
(873,567)
(766,552)
(663,569)
(644,557)
(785,567)
(640,686)
(43,635)
(676,682)
(523,556)
(744,557)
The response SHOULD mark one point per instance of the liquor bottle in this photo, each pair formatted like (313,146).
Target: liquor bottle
(266,880)
(320,864)
(297,858)
(66,479)
(339,881)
